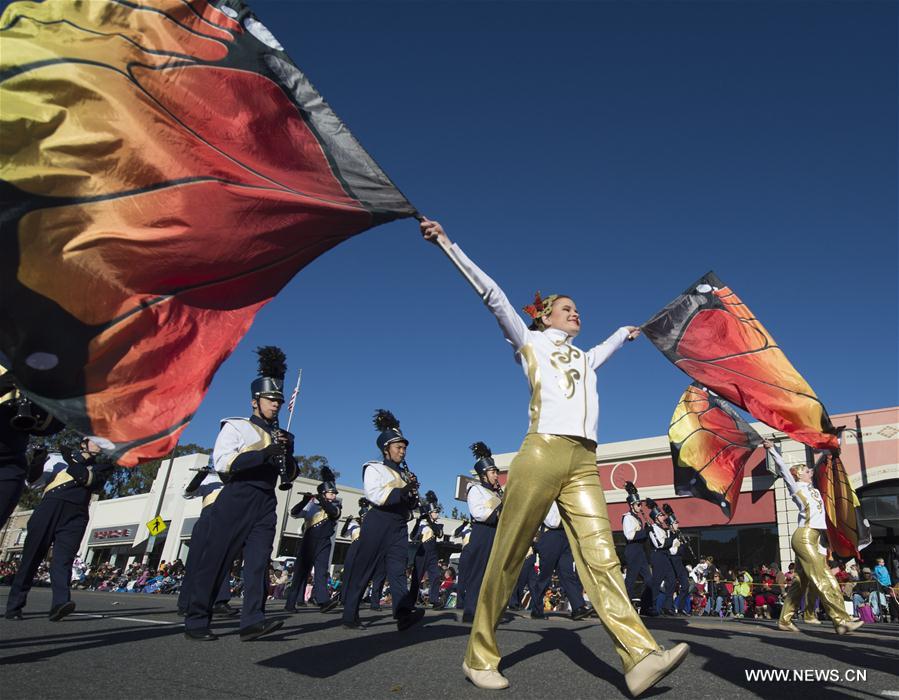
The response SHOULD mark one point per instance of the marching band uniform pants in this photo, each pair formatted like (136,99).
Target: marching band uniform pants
(562,469)
(243,519)
(635,559)
(54,522)
(480,545)
(198,537)
(315,552)
(384,537)
(555,555)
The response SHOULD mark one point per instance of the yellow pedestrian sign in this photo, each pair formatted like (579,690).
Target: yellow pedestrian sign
(156,526)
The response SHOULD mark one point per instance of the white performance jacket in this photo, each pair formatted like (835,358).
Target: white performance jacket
(562,377)
(806,497)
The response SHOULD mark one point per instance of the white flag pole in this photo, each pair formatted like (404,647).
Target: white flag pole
(295,396)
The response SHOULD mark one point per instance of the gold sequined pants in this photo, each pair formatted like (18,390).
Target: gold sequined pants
(811,566)
(557,468)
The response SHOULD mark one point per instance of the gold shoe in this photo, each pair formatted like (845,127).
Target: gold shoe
(848,627)
(488,680)
(811,620)
(654,668)
(786,626)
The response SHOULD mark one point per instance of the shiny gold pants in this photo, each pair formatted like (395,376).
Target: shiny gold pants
(563,469)
(809,594)
(811,566)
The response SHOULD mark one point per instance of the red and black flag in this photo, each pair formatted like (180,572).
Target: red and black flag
(710,334)
(710,445)
(167,169)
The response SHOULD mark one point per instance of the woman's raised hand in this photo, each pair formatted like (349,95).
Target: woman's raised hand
(433,231)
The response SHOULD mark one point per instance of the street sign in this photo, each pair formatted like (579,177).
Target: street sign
(156,526)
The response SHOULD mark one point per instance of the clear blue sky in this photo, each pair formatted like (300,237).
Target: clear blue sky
(613,151)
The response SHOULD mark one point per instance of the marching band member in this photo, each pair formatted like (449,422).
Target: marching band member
(555,555)
(811,565)
(352,529)
(60,519)
(661,538)
(428,533)
(392,491)
(679,547)
(19,420)
(463,532)
(249,455)
(527,578)
(636,532)
(485,503)
(206,484)
(321,513)
(556,462)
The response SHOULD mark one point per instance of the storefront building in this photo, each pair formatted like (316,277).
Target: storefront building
(765,517)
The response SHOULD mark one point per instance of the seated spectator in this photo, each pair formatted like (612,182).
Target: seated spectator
(742,590)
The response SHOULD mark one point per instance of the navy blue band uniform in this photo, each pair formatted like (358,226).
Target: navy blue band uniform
(205,485)
(392,491)
(59,520)
(663,576)
(427,534)
(320,518)
(249,457)
(352,530)
(485,503)
(20,419)
(636,533)
(555,555)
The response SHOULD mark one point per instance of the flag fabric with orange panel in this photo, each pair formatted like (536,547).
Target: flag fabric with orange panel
(167,169)
(848,531)
(710,334)
(710,446)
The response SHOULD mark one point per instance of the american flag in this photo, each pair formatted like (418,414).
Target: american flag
(293,399)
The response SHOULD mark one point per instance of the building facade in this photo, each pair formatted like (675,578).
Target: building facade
(118,529)
(765,517)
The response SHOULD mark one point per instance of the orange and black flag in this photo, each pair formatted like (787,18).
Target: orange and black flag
(710,334)
(710,446)
(848,531)
(166,170)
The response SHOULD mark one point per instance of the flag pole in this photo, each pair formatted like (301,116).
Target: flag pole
(293,399)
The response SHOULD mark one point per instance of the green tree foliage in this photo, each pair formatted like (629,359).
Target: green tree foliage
(311,466)
(455,514)
(127,481)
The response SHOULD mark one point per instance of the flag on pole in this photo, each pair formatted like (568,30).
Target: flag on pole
(293,396)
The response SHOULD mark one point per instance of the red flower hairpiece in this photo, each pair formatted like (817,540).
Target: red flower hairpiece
(536,309)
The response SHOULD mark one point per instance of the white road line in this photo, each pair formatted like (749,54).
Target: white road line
(126,619)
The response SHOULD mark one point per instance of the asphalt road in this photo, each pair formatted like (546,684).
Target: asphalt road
(130,645)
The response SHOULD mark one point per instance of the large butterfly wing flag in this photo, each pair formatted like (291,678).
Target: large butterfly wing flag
(166,170)
(848,531)
(710,334)
(710,445)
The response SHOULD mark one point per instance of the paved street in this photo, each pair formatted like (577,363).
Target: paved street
(121,644)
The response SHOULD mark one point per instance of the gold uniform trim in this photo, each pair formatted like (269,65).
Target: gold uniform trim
(317,519)
(209,498)
(264,441)
(530,360)
(61,478)
(427,534)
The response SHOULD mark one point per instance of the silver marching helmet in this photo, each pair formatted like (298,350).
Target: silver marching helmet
(272,368)
(388,428)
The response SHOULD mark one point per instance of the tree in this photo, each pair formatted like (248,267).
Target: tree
(455,514)
(311,466)
(129,481)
